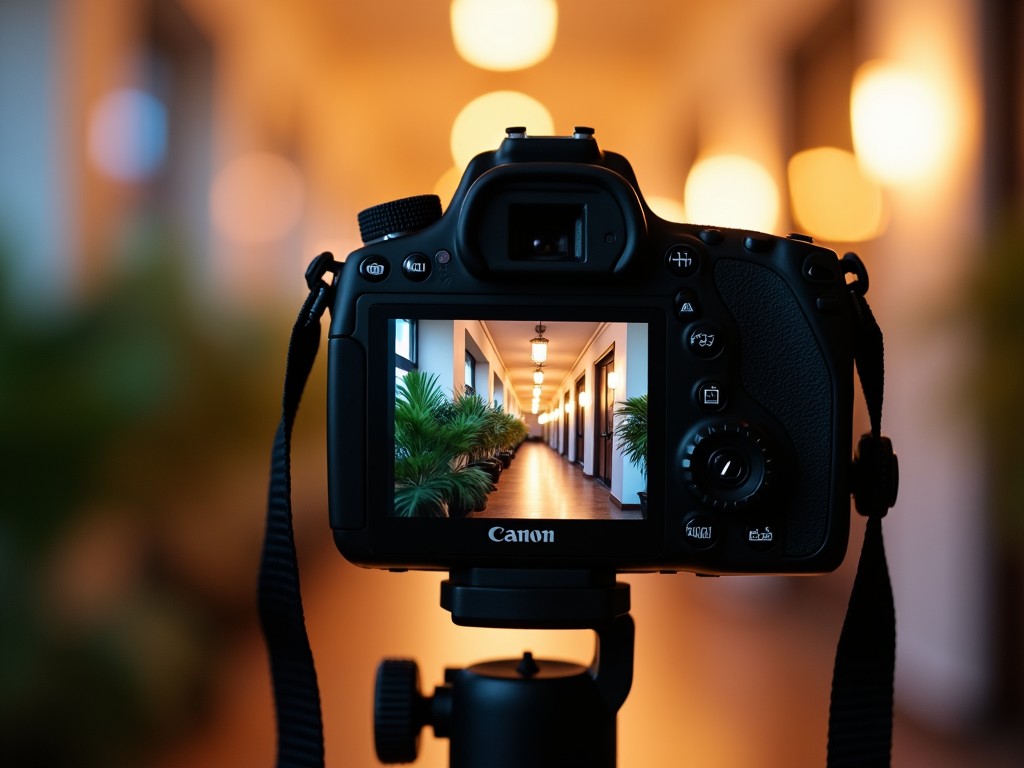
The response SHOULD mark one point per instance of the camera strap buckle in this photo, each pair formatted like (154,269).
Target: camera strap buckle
(852,265)
(876,476)
(321,291)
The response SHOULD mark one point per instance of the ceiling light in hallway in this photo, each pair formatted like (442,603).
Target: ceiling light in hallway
(539,346)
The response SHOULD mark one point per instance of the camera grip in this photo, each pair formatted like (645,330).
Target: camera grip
(783,368)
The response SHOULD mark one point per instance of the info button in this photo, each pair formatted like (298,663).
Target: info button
(416,267)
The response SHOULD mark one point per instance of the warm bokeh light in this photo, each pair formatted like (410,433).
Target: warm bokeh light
(151,267)
(832,198)
(502,35)
(481,124)
(445,186)
(901,122)
(732,191)
(667,208)
(128,134)
(257,198)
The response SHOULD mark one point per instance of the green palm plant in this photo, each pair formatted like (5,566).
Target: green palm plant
(510,430)
(631,431)
(433,442)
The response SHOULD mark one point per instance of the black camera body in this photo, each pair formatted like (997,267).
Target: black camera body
(738,345)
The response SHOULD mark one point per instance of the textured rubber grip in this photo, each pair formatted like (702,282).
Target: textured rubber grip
(783,369)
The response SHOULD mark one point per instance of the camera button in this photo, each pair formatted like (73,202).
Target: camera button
(711,236)
(416,267)
(710,396)
(758,244)
(705,341)
(761,536)
(682,260)
(374,268)
(700,532)
(821,267)
(830,304)
(687,306)
(728,468)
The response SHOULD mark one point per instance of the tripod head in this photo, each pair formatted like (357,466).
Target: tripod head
(533,599)
(524,711)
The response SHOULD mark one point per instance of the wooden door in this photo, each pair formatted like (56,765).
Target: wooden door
(604,418)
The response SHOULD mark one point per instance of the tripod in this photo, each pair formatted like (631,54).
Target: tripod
(525,711)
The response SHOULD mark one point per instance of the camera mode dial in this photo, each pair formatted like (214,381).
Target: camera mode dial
(726,465)
(398,217)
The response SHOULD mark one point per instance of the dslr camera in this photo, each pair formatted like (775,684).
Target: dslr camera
(548,375)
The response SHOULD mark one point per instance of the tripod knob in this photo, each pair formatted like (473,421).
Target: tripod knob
(398,711)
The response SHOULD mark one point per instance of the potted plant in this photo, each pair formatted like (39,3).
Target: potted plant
(509,432)
(433,442)
(470,407)
(631,432)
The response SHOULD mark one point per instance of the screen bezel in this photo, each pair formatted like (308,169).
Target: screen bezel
(445,540)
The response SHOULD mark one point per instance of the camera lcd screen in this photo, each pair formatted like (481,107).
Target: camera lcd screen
(497,418)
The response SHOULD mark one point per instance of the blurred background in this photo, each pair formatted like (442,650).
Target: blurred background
(169,167)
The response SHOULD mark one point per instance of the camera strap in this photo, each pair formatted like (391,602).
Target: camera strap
(300,731)
(860,716)
(861,710)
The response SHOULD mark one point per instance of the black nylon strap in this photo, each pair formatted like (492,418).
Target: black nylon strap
(296,694)
(861,711)
(860,716)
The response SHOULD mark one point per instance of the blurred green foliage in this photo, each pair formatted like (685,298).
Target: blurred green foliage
(997,382)
(110,412)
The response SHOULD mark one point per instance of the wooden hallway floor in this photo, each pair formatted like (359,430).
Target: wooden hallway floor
(541,484)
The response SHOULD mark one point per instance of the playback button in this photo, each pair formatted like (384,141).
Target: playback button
(711,396)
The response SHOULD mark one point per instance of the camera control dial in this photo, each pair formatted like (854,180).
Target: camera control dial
(726,465)
(398,217)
